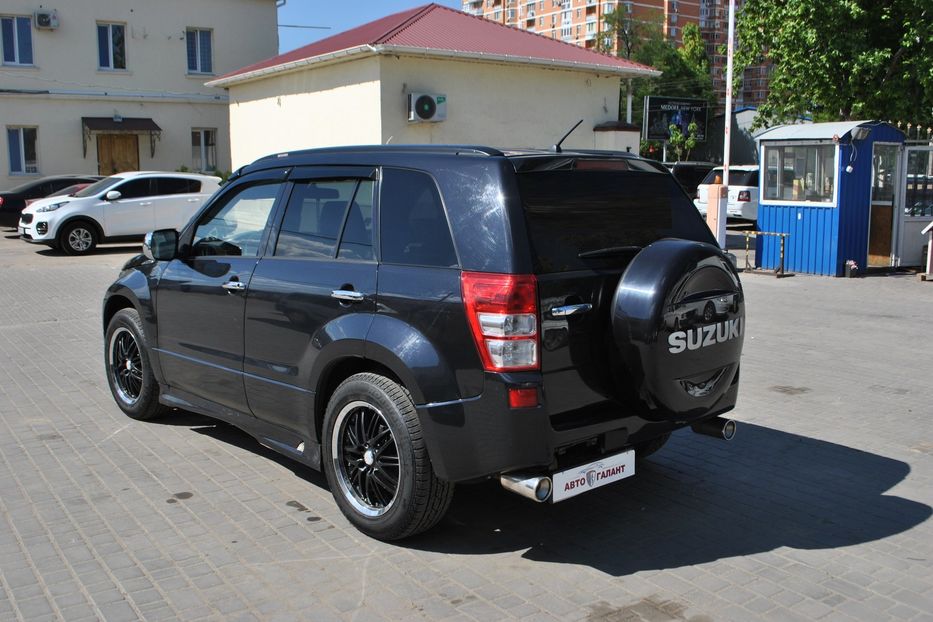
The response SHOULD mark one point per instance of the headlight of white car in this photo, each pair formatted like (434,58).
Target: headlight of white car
(52,207)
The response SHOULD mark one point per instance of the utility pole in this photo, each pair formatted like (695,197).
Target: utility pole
(727,135)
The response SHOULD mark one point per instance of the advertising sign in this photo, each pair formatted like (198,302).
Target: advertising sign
(662,112)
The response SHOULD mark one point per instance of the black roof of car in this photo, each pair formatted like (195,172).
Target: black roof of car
(314,156)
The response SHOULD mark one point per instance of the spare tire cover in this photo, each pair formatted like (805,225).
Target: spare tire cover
(678,320)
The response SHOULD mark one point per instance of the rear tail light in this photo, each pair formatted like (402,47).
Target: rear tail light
(1,201)
(745,195)
(503,313)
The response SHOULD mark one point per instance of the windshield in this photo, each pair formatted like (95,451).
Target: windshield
(736,177)
(98,187)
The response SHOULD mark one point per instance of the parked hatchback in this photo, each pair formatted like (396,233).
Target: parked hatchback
(118,208)
(14,200)
(410,318)
(743,191)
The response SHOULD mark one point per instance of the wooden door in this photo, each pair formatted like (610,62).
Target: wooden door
(880,230)
(881,221)
(117,153)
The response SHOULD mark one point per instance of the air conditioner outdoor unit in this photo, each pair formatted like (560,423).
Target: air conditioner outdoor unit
(427,107)
(46,20)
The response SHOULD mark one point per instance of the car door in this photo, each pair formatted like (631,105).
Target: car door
(202,294)
(131,214)
(315,285)
(176,200)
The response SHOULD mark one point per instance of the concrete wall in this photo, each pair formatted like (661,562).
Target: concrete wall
(496,104)
(59,135)
(324,107)
(65,82)
(364,101)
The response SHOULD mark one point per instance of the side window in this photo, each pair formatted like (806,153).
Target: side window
(413,225)
(134,189)
(234,226)
(357,239)
(174,185)
(317,213)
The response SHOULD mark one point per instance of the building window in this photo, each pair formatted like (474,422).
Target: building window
(800,173)
(21,145)
(204,149)
(199,51)
(16,35)
(111,46)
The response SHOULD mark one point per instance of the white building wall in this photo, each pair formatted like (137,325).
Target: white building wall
(65,82)
(497,104)
(324,107)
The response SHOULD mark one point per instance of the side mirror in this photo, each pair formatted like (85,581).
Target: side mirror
(161,245)
(113,195)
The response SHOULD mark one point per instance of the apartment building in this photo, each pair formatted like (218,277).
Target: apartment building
(581,21)
(714,26)
(104,86)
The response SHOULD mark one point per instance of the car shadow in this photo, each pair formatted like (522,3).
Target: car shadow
(698,500)
(232,435)
(100,250)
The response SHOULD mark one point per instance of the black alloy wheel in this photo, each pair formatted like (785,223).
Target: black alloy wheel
(129,374)
(126,365)
(376,460)
(367,461)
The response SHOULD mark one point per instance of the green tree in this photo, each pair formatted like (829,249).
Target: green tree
(841,59)
(681,143)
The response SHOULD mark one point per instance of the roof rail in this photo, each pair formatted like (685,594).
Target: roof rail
(474,150)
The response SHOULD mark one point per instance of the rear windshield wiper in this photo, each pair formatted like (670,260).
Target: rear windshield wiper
(610,251)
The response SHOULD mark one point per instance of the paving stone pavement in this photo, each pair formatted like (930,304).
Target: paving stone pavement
(819,509)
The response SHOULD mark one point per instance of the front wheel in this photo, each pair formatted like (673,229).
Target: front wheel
(78,238)
(376,461)
(129,374)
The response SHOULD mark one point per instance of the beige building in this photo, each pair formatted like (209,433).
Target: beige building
(482,83)
(581,21)
(101,86)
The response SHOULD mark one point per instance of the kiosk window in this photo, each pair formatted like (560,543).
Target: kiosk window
(800,173)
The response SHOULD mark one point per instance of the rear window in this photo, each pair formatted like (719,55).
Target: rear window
(599,213)
(736,178)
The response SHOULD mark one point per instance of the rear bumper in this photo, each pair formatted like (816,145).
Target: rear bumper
(480,437)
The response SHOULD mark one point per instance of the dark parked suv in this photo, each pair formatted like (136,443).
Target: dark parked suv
(408,318)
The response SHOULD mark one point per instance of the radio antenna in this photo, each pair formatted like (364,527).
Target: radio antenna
(556,148)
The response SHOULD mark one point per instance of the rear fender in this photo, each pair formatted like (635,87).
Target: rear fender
(416,361)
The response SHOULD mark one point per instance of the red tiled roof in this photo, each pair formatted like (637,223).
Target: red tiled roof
(445,31)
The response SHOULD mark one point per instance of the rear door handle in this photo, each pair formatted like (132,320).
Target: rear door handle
(568,310)
(347,295)
(234,286)
(194,200)
(146,203)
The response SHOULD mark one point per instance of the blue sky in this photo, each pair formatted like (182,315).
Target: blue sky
(340,15)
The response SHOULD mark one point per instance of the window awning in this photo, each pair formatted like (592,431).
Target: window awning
(121,125)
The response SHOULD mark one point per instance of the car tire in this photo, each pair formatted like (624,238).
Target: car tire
(129,372)
(78,238)
(376,461)
(643,450)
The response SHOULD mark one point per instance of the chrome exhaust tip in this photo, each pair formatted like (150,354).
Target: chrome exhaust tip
(534,487)
(717,427)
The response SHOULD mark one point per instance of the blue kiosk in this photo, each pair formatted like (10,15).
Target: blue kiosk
(830,187)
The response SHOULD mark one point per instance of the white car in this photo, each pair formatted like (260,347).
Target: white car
(743,191)
(118,208)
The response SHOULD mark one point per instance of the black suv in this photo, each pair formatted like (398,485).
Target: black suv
(406,318)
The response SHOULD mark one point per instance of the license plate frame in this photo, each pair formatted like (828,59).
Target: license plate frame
(586,477)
